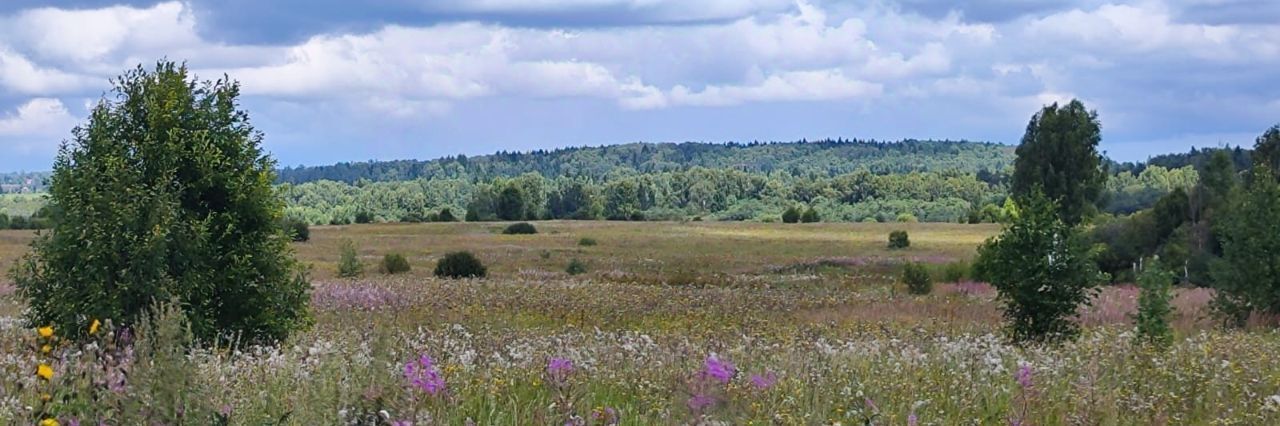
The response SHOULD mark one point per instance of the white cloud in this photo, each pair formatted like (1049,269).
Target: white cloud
(790,86)
(22,76)
(1150,27)
(89,35)
(37,125)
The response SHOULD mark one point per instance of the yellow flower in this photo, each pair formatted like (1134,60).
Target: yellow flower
(45,397)
(46,349)
(49,422)
(93,328)
(45,332)
(44,371)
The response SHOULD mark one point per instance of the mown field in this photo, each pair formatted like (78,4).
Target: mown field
(680,323)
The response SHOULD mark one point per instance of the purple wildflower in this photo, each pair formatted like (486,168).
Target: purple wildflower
(559,369)
(912,420)
(402,423)
(700,402)
(424,375)
(719,370)
(1024,376)
(764,381)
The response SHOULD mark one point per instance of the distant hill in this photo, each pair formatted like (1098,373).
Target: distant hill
(818,158)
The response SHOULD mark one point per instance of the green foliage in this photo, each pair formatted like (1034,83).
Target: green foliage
(445,215)
(166,193)
(1247,277)
(916,276)
(522,228)
(394,263)
(899,240)
(1042,272)
(349,265)
(587,241)
(810,216)
(460,264)
(791,215)
(576,267)
(907,218)
(511,204)
(297,230)
(1154,304)
(1266,149)
(1058,155)
(955,272)
(363,217)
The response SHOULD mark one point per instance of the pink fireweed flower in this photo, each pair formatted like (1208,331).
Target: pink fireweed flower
(764,381)
(722,371)
(1023,376)
(559,369)
(424,375)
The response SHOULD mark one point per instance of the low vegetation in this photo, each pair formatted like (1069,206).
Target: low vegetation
(460,264)
(522,228)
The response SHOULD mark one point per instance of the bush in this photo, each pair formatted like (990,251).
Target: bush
(165,192)
(298,230)
(899,240)
(576,267)
(907,218)
(394,263)
(1154,307)
(348,261)
(916,276)
(810,216)
(446,216)
(364,217)
(522,228)
(1042,272)
(791,215)
(955,272)
(460,264)
(587,241)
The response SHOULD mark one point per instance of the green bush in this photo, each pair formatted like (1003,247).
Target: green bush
(955,272)
(522,228)
(364,217)
(791,215)
(907,218)
(916,276)
(298,230)
(810,216)
(349,261)
(446,216)
(899,240)
(587,241)
(460,264)
(1154,307)
(166,192)
(394,263)
(1042,272)
(576,267)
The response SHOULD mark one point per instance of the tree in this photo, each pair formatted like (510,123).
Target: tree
(1059,155)
(791,215)
(1041,270)
(511,204)
(1154,307)
(446,216)
(1266,149)
(1247,277)
(166,194)
(810,216)
(349,265)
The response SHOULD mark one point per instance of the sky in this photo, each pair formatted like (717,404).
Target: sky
(327,81)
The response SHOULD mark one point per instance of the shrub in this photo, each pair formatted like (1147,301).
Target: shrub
(955,272)
(916,276)
(364,217)
(810,216)
(394,263)
(522,228)
(576,267)
(1154,307)
(1042,273)
(166,191)
(446,216)
(899,240)
(791,215)
(348,261)
(587,241)
(460,264)
(907,218)
(298,230)
(1246,277)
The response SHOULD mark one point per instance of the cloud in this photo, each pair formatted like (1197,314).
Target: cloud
(22,76)
(36,126)
(791,86)
(88,35)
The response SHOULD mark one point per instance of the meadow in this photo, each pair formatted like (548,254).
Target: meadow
(671,323)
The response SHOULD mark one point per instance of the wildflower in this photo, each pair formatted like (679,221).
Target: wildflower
(44,371)
(424,375)
(402,423)
(765,381)
(45,349)
(912,420)
(46,397)
(93,327)
(45,332)
(700,402)
(719,370)
(49,422)
(558,369)
(1024,376)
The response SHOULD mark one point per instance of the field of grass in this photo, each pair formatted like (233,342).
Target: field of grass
(21,204)
(672,323)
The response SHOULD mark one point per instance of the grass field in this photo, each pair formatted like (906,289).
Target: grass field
(811,317)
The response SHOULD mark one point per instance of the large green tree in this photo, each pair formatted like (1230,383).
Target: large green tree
(165,194)
(1247,276)
(1059,156)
